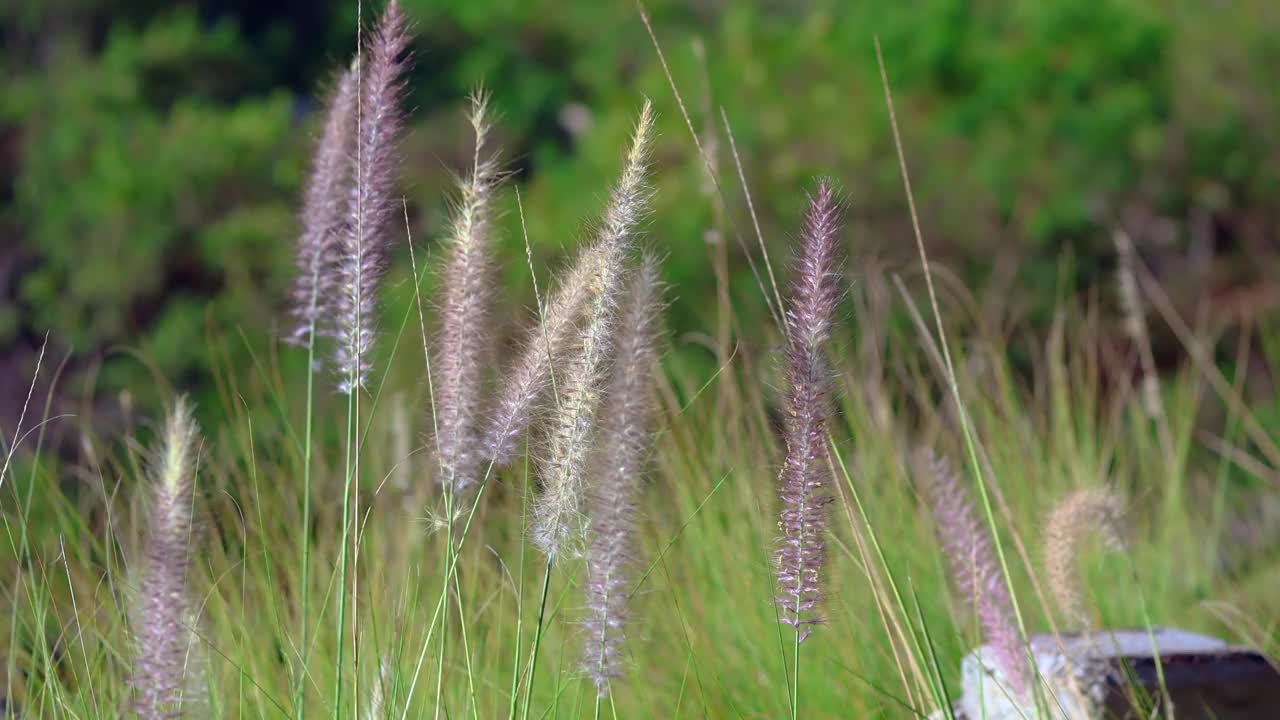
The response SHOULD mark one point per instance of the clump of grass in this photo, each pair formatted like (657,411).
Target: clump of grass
(557,519)
(463,338)
(595,345)
(162,665)
(975,569)
(1096,511)
(626,436)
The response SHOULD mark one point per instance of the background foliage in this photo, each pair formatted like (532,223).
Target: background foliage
(151,153)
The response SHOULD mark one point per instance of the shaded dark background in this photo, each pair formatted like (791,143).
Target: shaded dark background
(151,154)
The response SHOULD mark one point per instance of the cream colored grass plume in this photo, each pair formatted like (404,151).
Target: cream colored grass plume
(557,518)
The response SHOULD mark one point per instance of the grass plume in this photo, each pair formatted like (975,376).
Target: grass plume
(626,437)
(975,570)
(545,344)
(462,340)
(371,205)
(324,207)
(161,616)
(557,517)
(1076,517)
(805,478)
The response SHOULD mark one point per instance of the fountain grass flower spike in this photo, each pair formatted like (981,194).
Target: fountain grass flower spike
(626,437)
(805,476)
(557,517)
(324,209)
(462,343)
(1089,511)
(163,662)
(371,206)
(975,569)
(544,347)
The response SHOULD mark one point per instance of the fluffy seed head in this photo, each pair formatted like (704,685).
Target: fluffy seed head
(557,517)
(324,208)
(805,478)
(463,338)
(625,439)
(371,205)
(162,636)
(975,568)
(1083,513)
(544,347)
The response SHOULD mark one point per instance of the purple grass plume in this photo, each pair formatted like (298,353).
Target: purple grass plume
(163,666)
(324,209)
(557,516)
(975,568)
(805,478)
(371,206)
(626,436)
(463,340)
(526,383)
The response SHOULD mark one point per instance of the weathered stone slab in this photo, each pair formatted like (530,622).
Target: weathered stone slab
(1113,674)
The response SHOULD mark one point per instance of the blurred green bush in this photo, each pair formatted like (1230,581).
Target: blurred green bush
(150,157)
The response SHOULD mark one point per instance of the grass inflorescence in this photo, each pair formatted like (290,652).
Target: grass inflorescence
(613,527)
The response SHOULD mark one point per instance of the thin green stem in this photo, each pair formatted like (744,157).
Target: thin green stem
(537,640)
(515,658)
(353,371)
(346,522)
(355,569)
(299,702)
(462,540)
(935,683)
(466,648)
(450,561)
(954,385)
(795,676)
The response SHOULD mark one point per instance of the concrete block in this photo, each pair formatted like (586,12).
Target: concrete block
(1090,676)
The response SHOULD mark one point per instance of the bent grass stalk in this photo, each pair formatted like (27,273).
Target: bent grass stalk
(952,382)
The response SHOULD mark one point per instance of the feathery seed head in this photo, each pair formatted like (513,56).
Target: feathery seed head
(162,635)
(371,204)
(1083,513)
(544,347)
(805,477)
(816,289)
(463,337)
(975,568)
(630,197)
(557,517)
(324,209)
(626,437)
